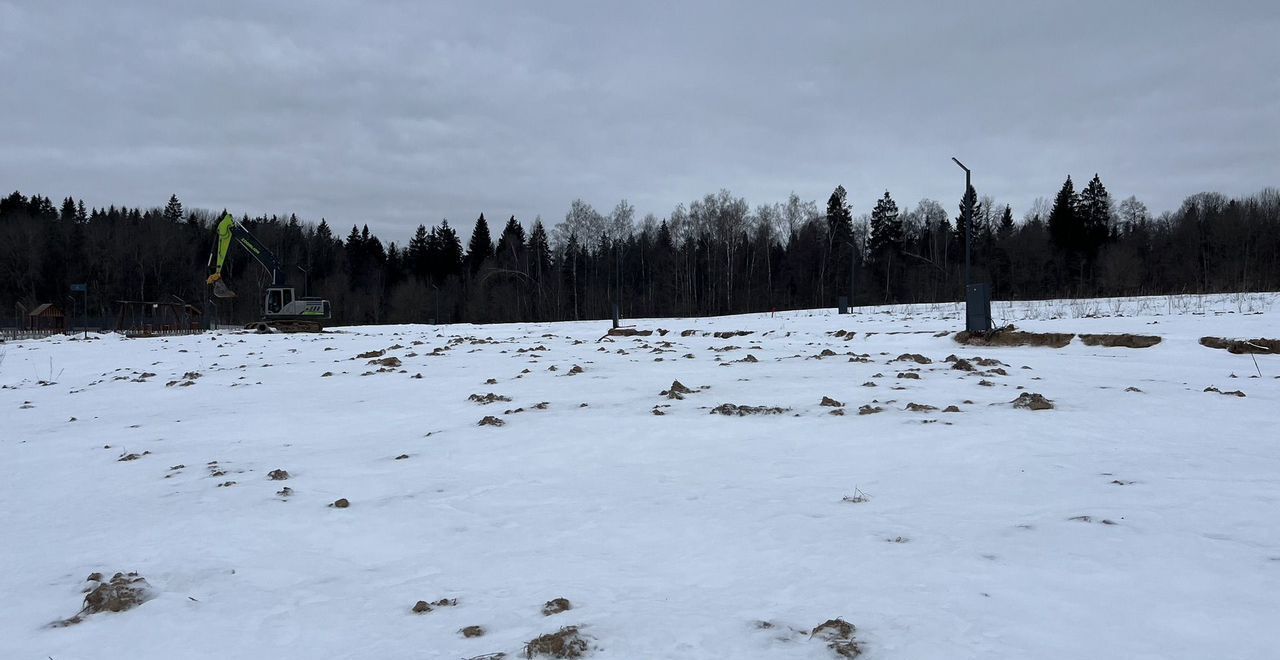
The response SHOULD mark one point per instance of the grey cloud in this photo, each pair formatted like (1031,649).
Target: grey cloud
(401,113)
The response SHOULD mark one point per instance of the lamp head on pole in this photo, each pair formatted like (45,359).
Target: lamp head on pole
(957,162)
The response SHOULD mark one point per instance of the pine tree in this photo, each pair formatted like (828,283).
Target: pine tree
(416,254)
(1065,229)
(68,212)
(839,217)
(511,247)
(968,204)
(173,210)
(481,246)
(81,216)
(539,251)
(450,250)
(887,236)
(1005,231)
(1094,216)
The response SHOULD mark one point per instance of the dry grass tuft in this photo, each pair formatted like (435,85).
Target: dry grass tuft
(564,643)
(124,591)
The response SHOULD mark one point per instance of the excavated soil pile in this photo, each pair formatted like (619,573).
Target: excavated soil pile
(1010,336)
(1120,341)
(629,332)
(1243,346)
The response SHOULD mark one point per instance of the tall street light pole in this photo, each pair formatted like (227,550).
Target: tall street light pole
(977,297)
(968,221)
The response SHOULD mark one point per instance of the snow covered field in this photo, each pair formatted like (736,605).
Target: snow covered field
(1120,524)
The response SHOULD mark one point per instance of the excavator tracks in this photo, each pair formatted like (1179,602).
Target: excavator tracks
(267,327)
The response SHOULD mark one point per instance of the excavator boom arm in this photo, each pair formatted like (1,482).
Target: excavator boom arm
(227,231)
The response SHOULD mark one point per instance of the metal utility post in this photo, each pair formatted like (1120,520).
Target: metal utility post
(968,221)
(436,289)
(977,297)
(83,290)
(853,273)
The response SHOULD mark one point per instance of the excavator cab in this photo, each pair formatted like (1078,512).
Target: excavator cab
(277,298)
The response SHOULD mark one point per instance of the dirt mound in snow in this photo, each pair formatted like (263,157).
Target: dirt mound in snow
(556,606)
(472,631)
(1032,401)
(912,357)
(124,591)
(1243,346)
(628,332)
(422,606)
(742,411)
(485,399)
(564,643)
(728,334)
(389,362)
(828,401)
(677,391)
(490,420)
(1120,341)
(370,354)
(1011,336)
(838,634)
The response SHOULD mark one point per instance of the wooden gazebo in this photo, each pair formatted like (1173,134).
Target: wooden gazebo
(46,317)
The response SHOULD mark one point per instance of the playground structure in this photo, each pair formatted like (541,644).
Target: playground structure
(137,318)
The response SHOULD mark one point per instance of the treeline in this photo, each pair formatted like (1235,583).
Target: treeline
(717,255)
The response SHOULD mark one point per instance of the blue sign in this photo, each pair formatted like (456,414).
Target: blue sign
(79,288)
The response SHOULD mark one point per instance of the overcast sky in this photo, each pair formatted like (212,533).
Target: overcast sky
(400,113)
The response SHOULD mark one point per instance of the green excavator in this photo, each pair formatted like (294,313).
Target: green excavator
(282,311)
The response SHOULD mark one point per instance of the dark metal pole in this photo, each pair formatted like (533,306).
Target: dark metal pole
(967,215)
(853,273)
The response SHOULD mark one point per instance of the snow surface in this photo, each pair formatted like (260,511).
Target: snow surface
(672,535)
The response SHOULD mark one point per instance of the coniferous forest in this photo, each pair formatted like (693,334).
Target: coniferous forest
(715,255)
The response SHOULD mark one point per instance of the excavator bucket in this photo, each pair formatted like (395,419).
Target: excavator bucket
(220,290)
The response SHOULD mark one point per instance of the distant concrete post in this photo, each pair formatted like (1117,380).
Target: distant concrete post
(844,304)
(615,315)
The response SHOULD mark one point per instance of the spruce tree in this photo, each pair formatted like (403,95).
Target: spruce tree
(511,248)
(1094,216)
(450,250)
(1065,229)
(68,212)
(416,254)
(839,217)
(481,246)
(887,236)
(173,210)
(1005,231)
(539,251)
